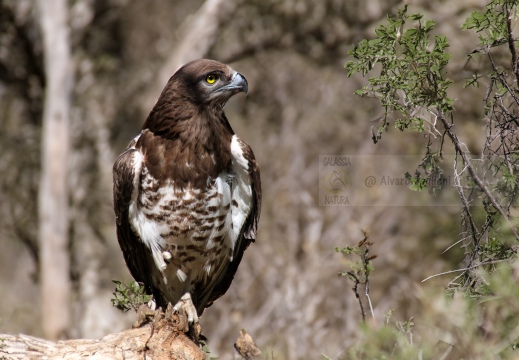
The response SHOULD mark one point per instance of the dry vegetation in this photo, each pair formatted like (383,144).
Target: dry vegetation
(286,294)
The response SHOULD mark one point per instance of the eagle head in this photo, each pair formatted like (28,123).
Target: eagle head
(197,91)
(208,83)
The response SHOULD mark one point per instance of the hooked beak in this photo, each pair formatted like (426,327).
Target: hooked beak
(238,83)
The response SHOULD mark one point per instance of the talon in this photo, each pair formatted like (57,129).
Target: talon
(186,305)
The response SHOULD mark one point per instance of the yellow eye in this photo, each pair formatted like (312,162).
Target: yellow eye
(210,79)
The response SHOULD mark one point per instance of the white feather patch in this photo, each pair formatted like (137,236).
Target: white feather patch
(182,276)
(149,231)
(241,189)
(207,268)
(237,154)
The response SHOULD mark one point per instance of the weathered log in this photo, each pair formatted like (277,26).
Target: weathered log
(162,338)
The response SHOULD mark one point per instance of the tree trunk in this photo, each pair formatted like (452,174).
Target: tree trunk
(53,193)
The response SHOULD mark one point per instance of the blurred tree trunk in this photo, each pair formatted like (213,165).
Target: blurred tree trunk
(53,194)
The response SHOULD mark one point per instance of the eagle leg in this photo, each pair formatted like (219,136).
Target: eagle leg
(186,305)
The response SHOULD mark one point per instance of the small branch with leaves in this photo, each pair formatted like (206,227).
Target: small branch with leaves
(360,271)
(128,296)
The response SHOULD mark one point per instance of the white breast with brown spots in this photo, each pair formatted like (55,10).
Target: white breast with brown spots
(190,232)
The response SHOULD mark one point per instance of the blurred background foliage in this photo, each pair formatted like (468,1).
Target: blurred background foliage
(287,294)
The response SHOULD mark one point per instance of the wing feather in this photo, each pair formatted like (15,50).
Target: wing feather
(125,172)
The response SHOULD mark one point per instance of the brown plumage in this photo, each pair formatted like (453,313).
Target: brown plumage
(187,190)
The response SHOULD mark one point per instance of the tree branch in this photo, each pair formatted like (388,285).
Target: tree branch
(472,172)
(511,44)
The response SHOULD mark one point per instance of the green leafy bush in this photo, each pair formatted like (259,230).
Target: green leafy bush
(476,316)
